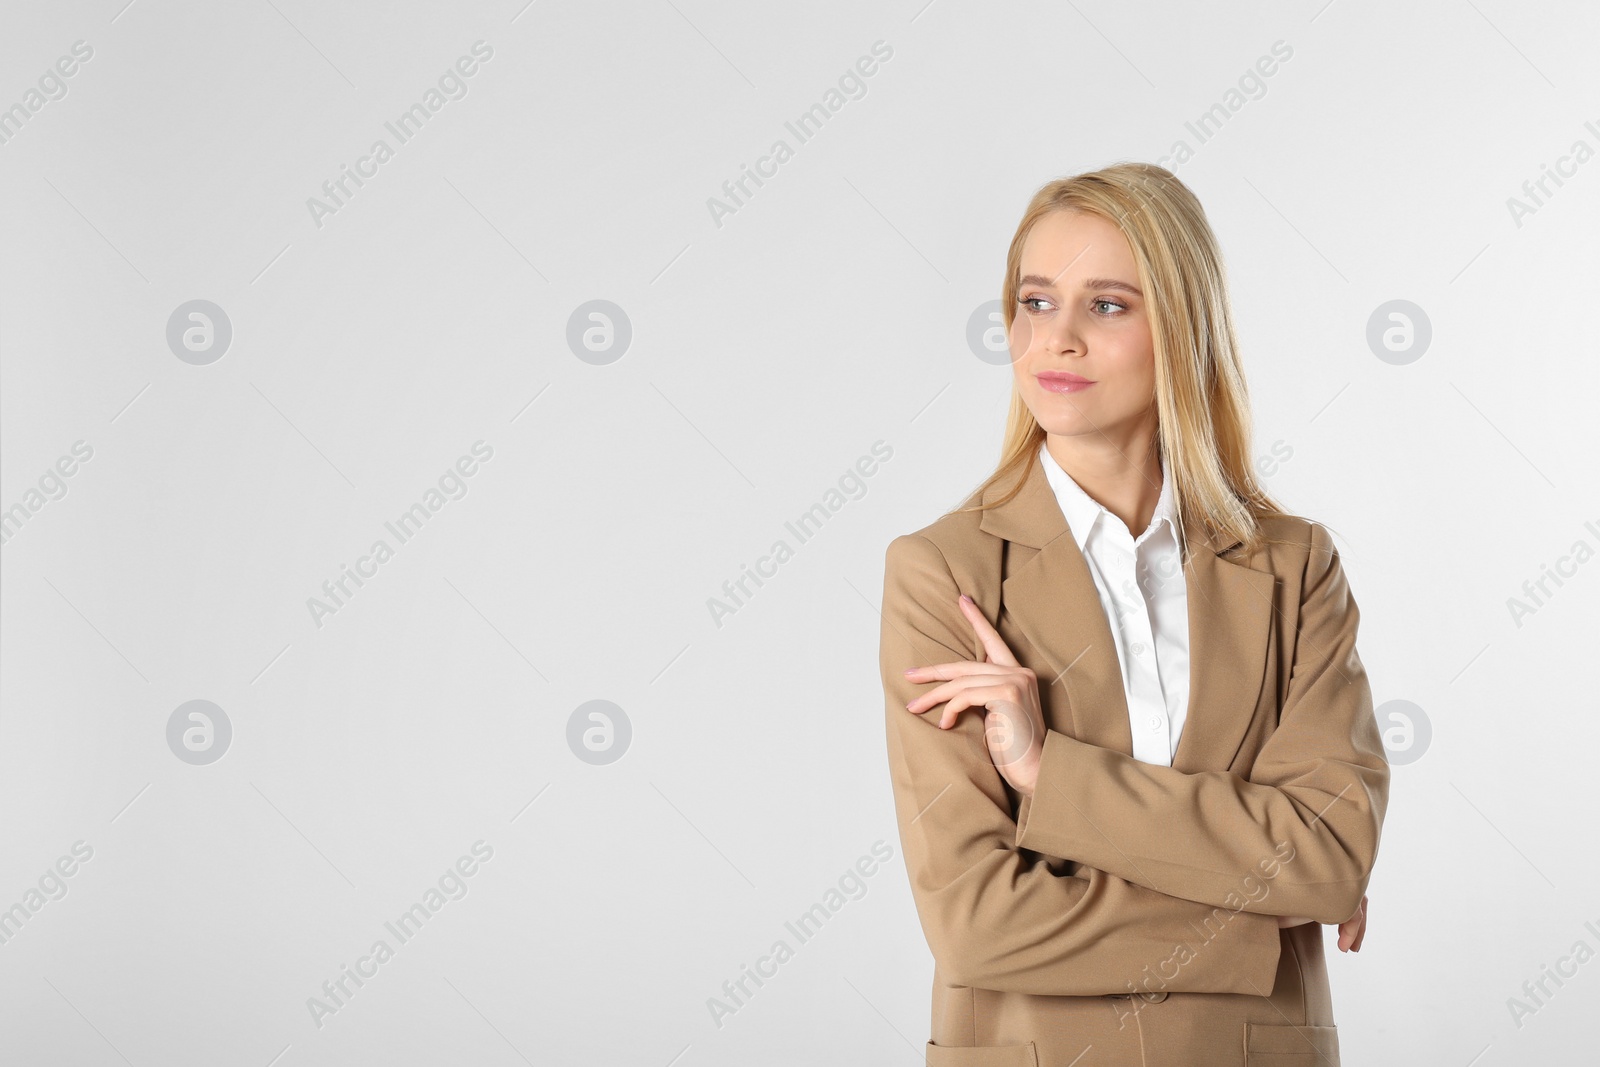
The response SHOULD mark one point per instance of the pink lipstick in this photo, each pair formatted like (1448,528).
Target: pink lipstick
(1057,381)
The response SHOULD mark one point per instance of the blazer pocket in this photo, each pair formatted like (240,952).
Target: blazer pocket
(1290,1046)
(982,1055)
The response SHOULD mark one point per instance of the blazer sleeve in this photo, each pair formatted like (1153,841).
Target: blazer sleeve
(993,917)
(1315,797)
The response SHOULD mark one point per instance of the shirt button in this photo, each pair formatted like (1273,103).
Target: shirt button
(1155,722)
(1138,648)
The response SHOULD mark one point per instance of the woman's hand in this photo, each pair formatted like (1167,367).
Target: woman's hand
(1351,932)
(1354,929)
(1014,726)
(1007,691)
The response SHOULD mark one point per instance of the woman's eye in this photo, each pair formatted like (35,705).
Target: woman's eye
(1029,302)
(1107,303)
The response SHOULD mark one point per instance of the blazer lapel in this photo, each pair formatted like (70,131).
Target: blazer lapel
(1230,632)
(1051,599)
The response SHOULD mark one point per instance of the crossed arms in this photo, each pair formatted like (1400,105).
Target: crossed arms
(1173,863)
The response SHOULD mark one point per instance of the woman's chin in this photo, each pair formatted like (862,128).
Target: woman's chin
(1069,424)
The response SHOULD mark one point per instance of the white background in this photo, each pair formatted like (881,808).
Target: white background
(768,353)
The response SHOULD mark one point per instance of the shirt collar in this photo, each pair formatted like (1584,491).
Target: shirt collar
(1082,511)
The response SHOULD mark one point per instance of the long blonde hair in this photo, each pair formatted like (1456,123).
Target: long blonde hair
(1202,402)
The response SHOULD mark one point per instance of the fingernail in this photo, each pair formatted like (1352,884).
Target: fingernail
(911,670)
(966,598)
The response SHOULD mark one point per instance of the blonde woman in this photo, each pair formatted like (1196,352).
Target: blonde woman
(1133,751)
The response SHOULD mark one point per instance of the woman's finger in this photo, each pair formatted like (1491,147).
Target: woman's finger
(946,671)
(993,643)
(978,696)
(1353,928)
(940,694)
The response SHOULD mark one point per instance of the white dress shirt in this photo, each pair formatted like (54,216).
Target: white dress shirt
(1145,600)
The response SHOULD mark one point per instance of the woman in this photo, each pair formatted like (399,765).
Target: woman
(1127,803)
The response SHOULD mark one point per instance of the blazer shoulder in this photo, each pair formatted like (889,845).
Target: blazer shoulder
(1293,529)
(1299,546)
(957,536)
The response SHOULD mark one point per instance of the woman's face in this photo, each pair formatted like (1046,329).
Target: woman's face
(1081,318)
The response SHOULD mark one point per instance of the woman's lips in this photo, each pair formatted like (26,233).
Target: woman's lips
(1062,383)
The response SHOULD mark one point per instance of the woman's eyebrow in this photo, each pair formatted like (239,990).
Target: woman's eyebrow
(1088,283)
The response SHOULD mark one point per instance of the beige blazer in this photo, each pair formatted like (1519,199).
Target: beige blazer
(1128,910)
